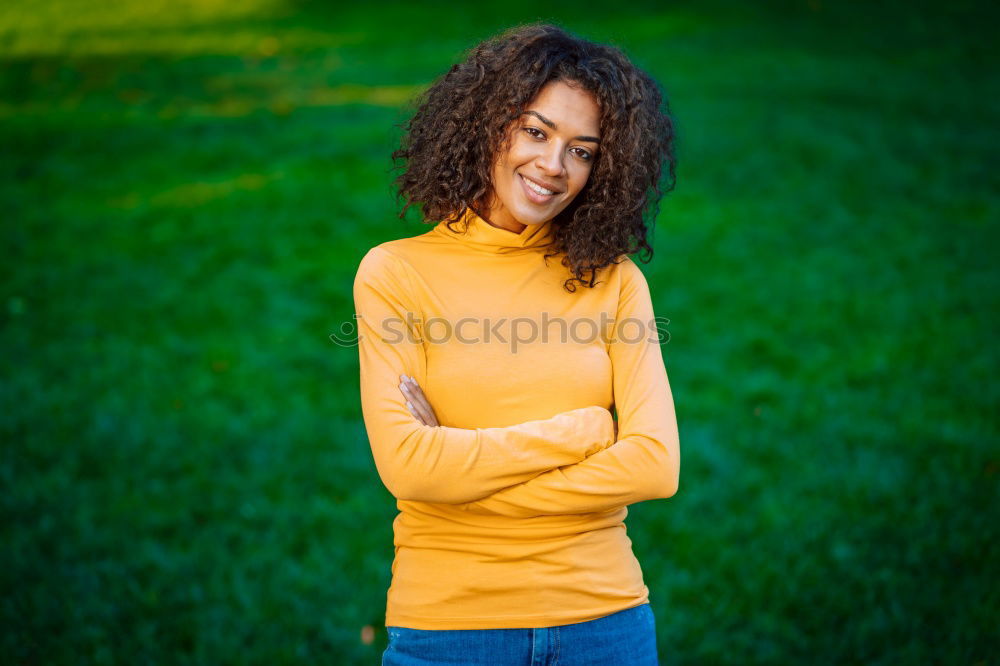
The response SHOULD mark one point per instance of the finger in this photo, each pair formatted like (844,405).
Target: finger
(417,403)
(409,402)
(413,412)
(418,394)
(421,402)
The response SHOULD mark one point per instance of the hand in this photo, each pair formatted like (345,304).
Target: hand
(416,402)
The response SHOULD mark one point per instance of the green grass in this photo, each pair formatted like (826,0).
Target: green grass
(187,190)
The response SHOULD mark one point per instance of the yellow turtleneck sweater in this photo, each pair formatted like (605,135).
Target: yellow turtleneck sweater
(511,511)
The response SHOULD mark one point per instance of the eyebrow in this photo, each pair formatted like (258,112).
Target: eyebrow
(589,139)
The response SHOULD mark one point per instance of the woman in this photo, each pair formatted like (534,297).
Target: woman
(488,375)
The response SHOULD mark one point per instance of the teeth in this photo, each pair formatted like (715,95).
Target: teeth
(537,188)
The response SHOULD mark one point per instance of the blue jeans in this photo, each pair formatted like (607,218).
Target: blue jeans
(627,637)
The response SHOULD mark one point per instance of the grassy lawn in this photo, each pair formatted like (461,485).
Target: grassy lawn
(187,188)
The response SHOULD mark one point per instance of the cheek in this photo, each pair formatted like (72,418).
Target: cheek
(578,179)
(501,175)
(520,153)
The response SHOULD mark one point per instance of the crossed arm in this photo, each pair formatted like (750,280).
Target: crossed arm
(644,462)
(432,463)
(574,462)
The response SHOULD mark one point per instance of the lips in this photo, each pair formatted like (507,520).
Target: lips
(536,197)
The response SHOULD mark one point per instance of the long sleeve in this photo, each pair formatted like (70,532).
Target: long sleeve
(645,461)
(439,463)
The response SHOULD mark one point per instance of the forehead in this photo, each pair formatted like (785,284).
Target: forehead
(573,109)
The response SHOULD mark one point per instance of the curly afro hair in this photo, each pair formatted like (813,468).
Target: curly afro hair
(462,121)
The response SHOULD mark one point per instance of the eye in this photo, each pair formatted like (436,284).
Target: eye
(583,154)
(535,132)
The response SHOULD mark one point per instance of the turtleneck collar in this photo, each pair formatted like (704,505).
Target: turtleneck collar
(477,232)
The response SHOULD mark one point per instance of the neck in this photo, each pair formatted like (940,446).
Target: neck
(475,232)
(512,225)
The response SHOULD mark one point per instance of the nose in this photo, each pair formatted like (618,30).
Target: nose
(550,159)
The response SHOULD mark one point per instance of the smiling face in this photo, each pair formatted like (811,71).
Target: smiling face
(551,154)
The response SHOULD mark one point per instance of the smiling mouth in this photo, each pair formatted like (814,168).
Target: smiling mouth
(535,192)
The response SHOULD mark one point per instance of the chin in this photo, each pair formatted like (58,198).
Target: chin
(532,221)
(532,217)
